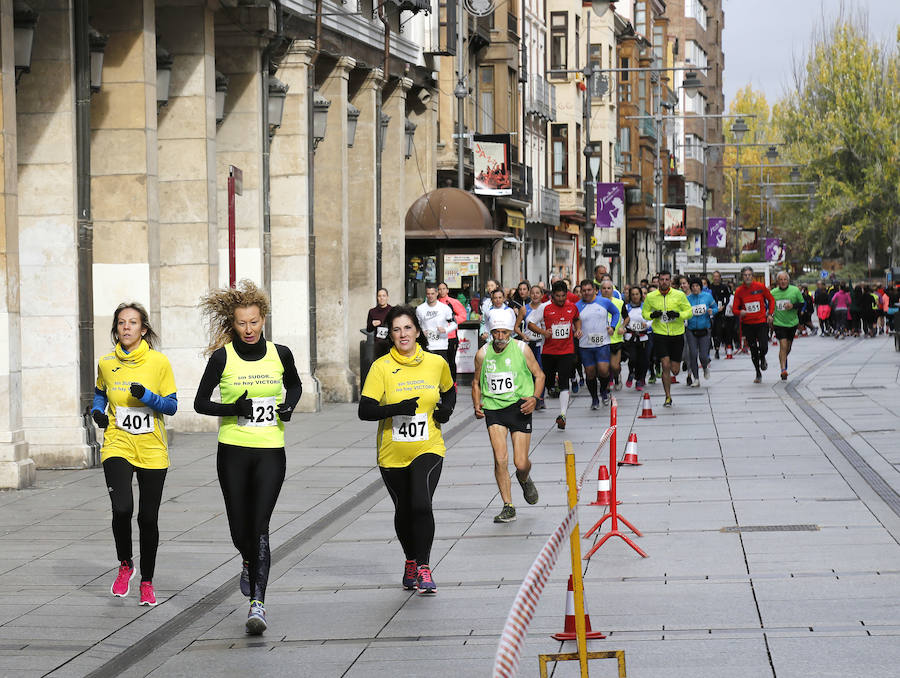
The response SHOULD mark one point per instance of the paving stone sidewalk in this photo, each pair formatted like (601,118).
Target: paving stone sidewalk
(769,513)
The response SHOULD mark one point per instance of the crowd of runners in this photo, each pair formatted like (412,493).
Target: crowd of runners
(536,344)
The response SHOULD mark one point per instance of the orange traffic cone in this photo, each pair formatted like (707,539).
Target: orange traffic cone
(631,458)
(647,411)
(729,354)
(569,628)
(602,488)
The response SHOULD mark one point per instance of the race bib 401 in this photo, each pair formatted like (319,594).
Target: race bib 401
(135,420)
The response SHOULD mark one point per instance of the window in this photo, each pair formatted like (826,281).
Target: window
(640,17)
(625,147)
(559,40)
(511,108)
(694,9)
(624,75)
(597,63)
(559,140)
(486,99)
(693,148)
(695,54)
(658,43)
(578,42)
(578,155)
(693,194)
(694,102)
(609,63)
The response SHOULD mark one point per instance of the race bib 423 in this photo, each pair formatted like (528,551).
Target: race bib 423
(263,413)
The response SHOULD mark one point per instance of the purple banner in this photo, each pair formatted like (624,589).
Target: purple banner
(716,231)
(610,206)
(774,250)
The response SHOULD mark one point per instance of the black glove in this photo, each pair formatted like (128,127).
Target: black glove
(284,412)
(442,414)
(243,406)
(671,316)
(100,418)
(656,314)
(137,390)
(407,407)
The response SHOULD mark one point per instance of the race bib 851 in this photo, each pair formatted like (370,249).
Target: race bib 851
(752,307)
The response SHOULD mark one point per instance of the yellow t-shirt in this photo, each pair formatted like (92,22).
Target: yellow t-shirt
(393,378)
(136,432)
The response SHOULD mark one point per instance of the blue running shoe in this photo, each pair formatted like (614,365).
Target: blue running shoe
(410,570)
(256,618)
(424,582)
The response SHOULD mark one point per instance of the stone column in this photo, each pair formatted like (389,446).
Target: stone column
(289,219)
(394,201)
(16,468)
(421,167)
(124,168)
(48,238)
(332,189)
(362,246)
(187,196)
(239,143)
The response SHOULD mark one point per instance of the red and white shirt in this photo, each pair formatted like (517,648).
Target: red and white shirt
(756,299)
(559,320)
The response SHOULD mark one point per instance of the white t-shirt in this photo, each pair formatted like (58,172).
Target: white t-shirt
(594,324)
(529,317)
(636,325)
(432,319)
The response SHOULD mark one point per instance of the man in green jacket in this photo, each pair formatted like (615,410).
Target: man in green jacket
(668,308)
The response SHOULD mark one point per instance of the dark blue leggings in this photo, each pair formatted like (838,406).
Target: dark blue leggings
(411,489)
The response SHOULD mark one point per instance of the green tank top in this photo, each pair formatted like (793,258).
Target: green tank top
(617,338)
(505,377)
(262,379)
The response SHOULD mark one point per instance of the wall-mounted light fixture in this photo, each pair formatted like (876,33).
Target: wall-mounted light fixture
(221,91)
(24,22)
(277,95)
(97,45)
(164,63)
(352,120)
(320,118)
(385,121)
(409,128)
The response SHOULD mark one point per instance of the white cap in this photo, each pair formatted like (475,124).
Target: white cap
(503,319)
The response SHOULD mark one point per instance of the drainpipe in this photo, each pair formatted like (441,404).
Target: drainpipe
(379,106)
(310,199)
(85,227)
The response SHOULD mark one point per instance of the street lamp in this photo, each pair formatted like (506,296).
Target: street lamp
(409,129)
(320,118)
(24,22)
(738,128)
(766,194)
(352,120)
(795,175)
(164,63)
(385,121)
(693,83)
(277,95)
(601,7)
(97,45)
(221,91)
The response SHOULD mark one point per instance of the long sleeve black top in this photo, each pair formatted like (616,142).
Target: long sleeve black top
(203,402)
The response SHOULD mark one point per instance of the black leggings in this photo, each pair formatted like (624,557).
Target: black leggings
(411,489)
(757,336)
(637,359)
(118,473)
(251,480)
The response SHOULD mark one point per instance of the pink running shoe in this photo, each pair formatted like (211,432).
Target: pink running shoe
(123,580)
(148,597)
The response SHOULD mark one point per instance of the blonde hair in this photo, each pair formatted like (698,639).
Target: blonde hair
(148,335)
(218,306)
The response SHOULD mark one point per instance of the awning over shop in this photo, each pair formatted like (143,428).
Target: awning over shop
(449,214)
(514,218)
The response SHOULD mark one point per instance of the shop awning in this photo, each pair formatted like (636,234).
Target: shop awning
(450,214)
(514,218)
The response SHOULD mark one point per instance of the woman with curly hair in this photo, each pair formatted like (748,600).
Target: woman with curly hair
(136,384)
(249,372)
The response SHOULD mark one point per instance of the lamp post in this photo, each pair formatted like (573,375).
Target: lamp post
(738,128)
(277,95)
(24,22)
(765,194)
(320,118)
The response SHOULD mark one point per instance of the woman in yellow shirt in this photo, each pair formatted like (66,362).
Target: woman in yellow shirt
(410,393)
(135,383)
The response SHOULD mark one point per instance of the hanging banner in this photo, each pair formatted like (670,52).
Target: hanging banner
(491,158)
(774,250)
(716,231)
(673,219)
(610,206)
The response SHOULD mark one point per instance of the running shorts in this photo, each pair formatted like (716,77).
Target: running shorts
(563,365)
(511,417)
(785,332)
(668,346)
(594,355)
(615,349)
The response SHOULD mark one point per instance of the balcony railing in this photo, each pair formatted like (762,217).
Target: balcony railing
(549,208)
(540,98)
(648,128)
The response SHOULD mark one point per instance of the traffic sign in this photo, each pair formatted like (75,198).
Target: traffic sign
(610,249)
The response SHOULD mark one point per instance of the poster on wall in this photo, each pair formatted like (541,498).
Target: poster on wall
(716,231)
(748,240)
(465,352)
(774,250)
(491,158)
(458,265)
(564,258)
(673,219)
(610,205)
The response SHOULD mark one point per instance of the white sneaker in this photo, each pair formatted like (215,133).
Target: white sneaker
(706,373)
(696,384)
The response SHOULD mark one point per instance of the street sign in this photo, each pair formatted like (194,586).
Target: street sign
(610,249)
(823,274)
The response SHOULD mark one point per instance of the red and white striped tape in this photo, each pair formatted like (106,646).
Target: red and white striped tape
(595,458)
(506,663)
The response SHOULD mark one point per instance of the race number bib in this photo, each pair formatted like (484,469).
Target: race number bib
(636,326)
(782,304)
(263,413)
(671,316)
(410,429)
(752,307)
(432,335)
(135,420)
(381,332)
(560,330)
(531,336)
(501,382)
(699,309)
(596,339)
